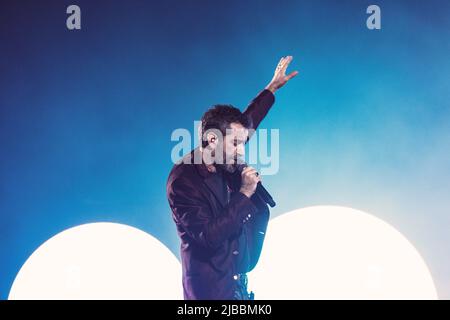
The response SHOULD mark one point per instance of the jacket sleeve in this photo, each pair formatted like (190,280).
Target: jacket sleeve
(256,226)
(191,211)
(259,107)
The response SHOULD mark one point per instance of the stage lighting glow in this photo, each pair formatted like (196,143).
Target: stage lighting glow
(330,252)
(100,261)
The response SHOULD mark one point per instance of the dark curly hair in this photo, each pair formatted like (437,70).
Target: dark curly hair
(220,116)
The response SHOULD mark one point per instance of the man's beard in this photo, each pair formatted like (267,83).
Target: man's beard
(227,167)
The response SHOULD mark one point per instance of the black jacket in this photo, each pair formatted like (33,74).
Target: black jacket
(220,237)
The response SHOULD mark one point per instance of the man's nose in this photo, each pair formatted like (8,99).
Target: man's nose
(240,150)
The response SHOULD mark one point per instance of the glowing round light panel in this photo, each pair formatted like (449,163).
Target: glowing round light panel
(330,252)
(100,261)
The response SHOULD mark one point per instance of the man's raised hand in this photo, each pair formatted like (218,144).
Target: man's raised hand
(280,78)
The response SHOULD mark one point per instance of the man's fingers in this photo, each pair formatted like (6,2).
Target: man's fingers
(246,169)
(289,59)
(250,172)
(280,64)
(253,174)
(286,63)
(281,60)
(291,75)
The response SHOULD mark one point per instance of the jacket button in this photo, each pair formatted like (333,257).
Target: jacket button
(235,252)
(235,277)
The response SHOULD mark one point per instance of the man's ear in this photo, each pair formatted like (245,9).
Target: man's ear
(212,139)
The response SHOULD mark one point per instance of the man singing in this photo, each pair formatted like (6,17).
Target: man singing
(220,220)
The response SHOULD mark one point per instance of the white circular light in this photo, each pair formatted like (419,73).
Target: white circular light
(330,252)
(100,261)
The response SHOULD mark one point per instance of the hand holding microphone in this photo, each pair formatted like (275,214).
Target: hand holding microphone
(250,179)
(251,183)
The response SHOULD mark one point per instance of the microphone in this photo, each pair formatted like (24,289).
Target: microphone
(263,194)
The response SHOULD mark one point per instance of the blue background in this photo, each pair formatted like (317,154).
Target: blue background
(86,116)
